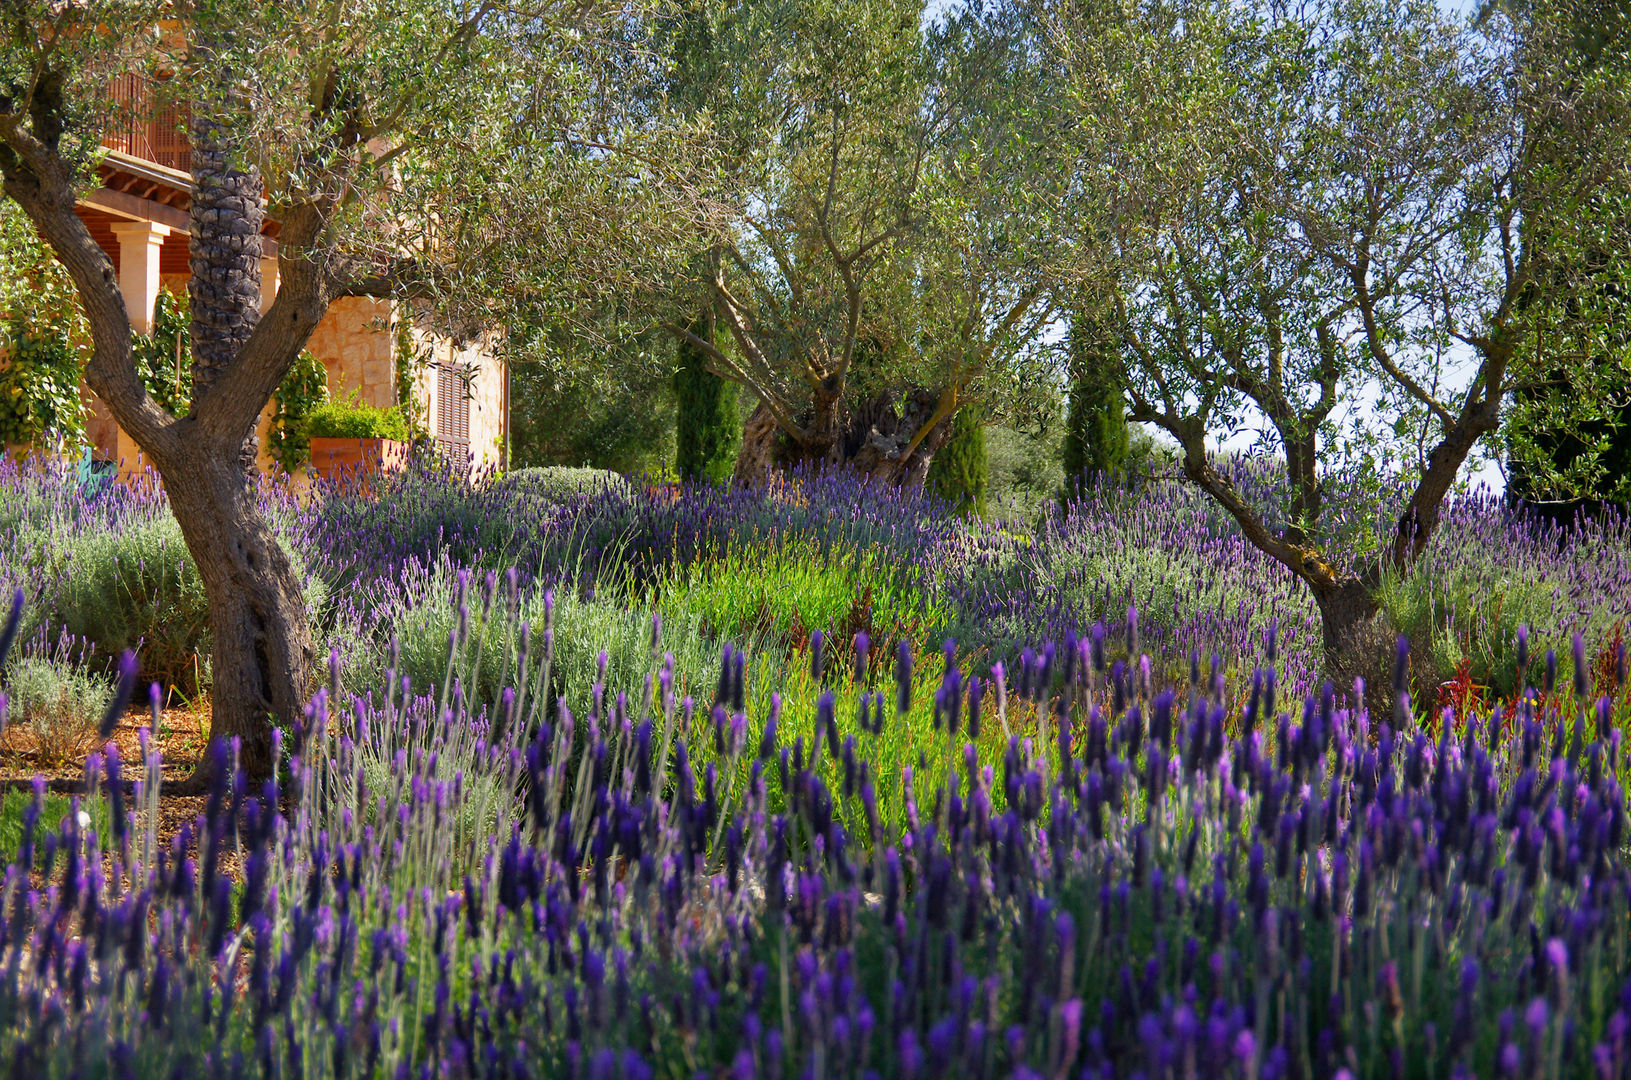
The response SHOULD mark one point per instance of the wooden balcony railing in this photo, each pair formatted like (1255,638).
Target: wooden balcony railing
(145,129)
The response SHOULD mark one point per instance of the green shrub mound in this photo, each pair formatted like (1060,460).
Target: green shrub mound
(354,420)
(563,481)
(138,589)
(58,702)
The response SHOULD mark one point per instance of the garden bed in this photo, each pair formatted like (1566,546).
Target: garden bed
(817,780)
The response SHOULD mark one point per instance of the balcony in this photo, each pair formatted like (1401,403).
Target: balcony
(142,128)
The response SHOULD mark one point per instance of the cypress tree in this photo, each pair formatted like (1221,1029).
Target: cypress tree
(1097,439)
(706,426)
(959,473)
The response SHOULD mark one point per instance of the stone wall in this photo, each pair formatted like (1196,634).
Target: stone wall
(354,343)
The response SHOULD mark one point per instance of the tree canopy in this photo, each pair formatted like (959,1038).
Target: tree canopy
(1303,205)
(888,247)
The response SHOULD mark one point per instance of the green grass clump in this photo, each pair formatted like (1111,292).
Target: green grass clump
(14,804)
(780,593)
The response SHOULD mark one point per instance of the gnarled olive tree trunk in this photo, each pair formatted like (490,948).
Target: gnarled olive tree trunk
(262,660)
(874,439)
(262,652)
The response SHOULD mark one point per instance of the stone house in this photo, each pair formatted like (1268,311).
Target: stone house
(139,218)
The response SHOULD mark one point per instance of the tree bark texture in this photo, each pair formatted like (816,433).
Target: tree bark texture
(1346,608)
(262,654)
(757,457)
(875,439)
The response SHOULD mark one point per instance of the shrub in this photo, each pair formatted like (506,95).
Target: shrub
(350,419)
(561,482)
(138,589)
(433,604)
(57,702)
(1097,439)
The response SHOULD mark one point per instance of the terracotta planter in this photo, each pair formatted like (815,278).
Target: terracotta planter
(665,493)
(357,459)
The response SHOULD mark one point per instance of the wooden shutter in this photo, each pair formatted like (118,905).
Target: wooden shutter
(453,413)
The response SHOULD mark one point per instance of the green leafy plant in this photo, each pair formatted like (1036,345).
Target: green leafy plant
(349,418)
(39,383)
(164,357)
(138,588)
(40,360)
(303,390)
(408,364)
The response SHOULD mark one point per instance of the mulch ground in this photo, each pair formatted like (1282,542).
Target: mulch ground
(182,736)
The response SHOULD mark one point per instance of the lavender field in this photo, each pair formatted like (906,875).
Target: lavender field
(825,782)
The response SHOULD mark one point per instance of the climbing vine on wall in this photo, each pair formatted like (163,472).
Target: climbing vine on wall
(408,364)
(165,357)
(41,365)
(303,389)
(40,372)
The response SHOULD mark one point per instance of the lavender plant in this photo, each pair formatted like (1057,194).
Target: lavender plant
(1093,875)
(1489,573)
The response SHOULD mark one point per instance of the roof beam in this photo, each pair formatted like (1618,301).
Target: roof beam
(125,205)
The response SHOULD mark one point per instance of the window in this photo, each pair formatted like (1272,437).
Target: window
(453,413)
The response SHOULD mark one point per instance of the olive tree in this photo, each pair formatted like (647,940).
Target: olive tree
(1302,207)
(888,251)
(444,151)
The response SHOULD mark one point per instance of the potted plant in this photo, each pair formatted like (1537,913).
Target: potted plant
(352,440)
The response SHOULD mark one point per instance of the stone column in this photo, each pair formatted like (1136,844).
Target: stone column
(139,244)
(269,282)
